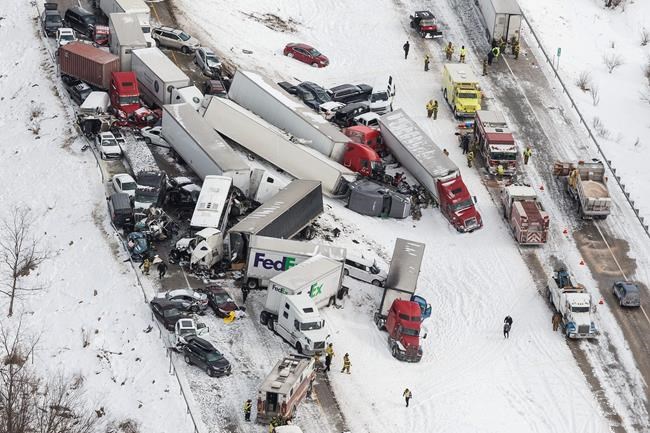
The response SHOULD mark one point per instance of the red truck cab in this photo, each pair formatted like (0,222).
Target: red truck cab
(362,159)
(403,324)
(457,206)
(495,141)
(124,92)
(365,135)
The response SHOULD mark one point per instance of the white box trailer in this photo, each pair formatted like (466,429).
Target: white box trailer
(319,277)
(190,95)
(158,76)
(502,19)
(125,36)
(266,99)
(213,205)
(275,146)
(201,147)
(268,257)
(137,7)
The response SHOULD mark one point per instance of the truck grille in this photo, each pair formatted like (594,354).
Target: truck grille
(470,223)
(319,345)
(583,329)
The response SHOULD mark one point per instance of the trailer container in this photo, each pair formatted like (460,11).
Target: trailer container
(87,63)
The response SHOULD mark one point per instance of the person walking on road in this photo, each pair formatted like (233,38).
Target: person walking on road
(500,172)
(464,143)
(407,396)
(426,63)
(508,320)
(495,53)
(527,154)
(162,270)
(346,364)
(435,110)
(244,293)
(329,354)
(145,265)
(506,330)
(449,51)
(515,49)
(406,47)
(463,53)
(485,65)
(248,406)
(446,152)
(557,319)
(470,159)
(490,58)
(430,108)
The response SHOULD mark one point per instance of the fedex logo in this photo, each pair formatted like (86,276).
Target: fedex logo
(278,265)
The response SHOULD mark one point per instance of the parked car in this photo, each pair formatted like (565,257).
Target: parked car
(312,94)
(627,293)
(348,93)
(201,353)
(64,35)
(306,54)
(191,300)
(79,91)
(215,87)
(108,146)
(51,19)
(175,38)
(329,109)
(182,191)
(120,210)
(208,62)
(364,270)
(344,117)
(152,135)
(219,300)
(167,312)
(124,183)
(81,20)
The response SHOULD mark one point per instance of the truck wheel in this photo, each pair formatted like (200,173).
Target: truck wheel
(342,292)
(394,351)
(346,272)
(314,65)
(376,283)
(185,50)
(188,361)
(270,324)
(290,54)
(147,140)
(423,35)
(252,283)
(299,348)
(263,318)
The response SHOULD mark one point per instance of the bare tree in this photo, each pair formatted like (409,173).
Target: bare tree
(645,37)
(612,61)
(584,81)
(595,94)
(20,253)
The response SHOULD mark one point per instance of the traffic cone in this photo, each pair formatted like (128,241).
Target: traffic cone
(565,231)
(582,262)
(541,187)
(602,300)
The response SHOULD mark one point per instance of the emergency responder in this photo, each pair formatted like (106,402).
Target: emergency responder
(248,406)
(527,154)
(515,48)
(145,265)
(430,108)
(407,396)
(426,62)
(500,171)
(449,51)
(503,44)
(493,55)
(557,319)
(485,65)
(470,159)
(435,110)
(464,143)
(329,354)
(445,151)
(346,364)
(463,53)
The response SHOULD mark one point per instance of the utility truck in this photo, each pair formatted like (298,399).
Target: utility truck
(399,311)
(586,183)
(525,214)
(417,152)
(575,305)
(495,141)
(460,89)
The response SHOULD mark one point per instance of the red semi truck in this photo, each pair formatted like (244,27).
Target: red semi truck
(495,141)
(125,101)
(417,152)
(87,63)
(365,135)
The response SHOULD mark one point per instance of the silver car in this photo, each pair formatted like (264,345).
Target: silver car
(175,38)
(208,62)
(190,300)
(627,294)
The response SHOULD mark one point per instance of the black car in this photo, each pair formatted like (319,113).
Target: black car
(81,20)
(312,94)
(167,312)
(343,117)
(201,353)
(156,181)
(348,93)
(220,300)
(78,90)
(51,19)
(120,210)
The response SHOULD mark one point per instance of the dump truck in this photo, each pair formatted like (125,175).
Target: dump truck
(461,90)
(586,183)
(502,19)
(399,311)
(495,142)
(575,305)
(87,63)
(525,214)
(438,174)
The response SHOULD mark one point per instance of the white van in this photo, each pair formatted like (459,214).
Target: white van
(383,93)
(363,269)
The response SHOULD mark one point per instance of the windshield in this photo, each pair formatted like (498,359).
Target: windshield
(146,29)
(142,196)
(129,186)
(54,19)
(504,156)
(427,23)
(463,95)
(127,100)
(310,326)
(411,332)
(171,312)
(109,142)
(314,52)
(212,60)
(381,96)
(580,309)
(184,36)
(67,37)
(213,356)
(323,96)
(465,204)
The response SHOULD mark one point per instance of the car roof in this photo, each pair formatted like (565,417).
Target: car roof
(629,286)
(79,10)
(165,304)
(300,45)
(168,29)
(64,30)
(52,12)
(178,292)
(123,176)
(204,344)
(207,50)
(106,134)
(343,87)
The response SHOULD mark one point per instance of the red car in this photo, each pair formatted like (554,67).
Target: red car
(306,54)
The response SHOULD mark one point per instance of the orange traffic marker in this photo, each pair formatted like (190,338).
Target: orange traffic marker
(582,262)
(541,187)
(565,231)
(602,300)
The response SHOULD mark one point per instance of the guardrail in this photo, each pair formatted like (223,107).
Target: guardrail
(172,365)
(608,162)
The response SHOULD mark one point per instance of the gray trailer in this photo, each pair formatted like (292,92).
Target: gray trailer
(126,36)
(266,99)
(502,19)
(157,75)
(283,216)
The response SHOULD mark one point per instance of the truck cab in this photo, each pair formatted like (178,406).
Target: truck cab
(365,135)
(457,206)
(124,92)
(575,305)
(403,325)
(300,324)
(362,159)
(204,250)
(495,141)
(461,89)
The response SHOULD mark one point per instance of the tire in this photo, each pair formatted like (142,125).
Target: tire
(271,325)
(315,65)
(376,283)
(209,371)
(394,352)
(264,319)
(290,54)
(147,140)
(157,43)
(252,283)
(299,348)
(346,272)
(188,361)
(185,50)
(102,156)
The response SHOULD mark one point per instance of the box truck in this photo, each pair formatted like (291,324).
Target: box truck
(417,152)
(275,146)
(268,257)
(126,36)
(87,63)
(502,19)
(136,7)
(461,90)
(158,76)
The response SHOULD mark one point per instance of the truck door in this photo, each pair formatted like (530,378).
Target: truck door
(500,26)
(271,402)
